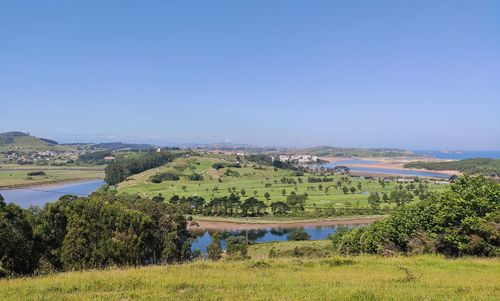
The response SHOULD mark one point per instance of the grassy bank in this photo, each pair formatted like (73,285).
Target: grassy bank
(13,175)
(355,278)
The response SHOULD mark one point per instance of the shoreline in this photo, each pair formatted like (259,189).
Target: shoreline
(48,184)
(219,224)
(395,163)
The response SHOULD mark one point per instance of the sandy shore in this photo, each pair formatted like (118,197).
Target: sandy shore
(396,163)
(252,224)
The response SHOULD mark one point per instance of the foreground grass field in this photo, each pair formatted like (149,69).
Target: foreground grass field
(332,278)
(255,180)
(13,175)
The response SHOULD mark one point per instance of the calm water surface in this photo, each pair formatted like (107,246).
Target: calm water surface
(40,195)
(203,238)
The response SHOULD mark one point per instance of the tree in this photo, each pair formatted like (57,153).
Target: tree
(296,201)
(298,234)
(359,186)
(214,249)
(374,200)
(279,208)
(385,197)
(267,195)
(400,197)
(236,246)
(243,192)
(252,206)
(345,189)
(283,191)
(352,189)
(17,246)
(458,222)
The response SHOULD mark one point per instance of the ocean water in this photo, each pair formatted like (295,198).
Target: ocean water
(459,155)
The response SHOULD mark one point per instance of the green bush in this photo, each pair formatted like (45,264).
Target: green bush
(461,221)
(298,234)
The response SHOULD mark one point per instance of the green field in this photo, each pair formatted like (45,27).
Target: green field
(17,141)
(252,178)
(13,175)
(330,278)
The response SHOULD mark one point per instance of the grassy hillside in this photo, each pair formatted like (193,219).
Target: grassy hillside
(331,151)
(18,141)
(489,167)
(252,178)
(332,278)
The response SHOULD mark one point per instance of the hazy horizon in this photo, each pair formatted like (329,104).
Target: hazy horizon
(385,74)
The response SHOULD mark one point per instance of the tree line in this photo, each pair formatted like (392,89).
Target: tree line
(91,232)
(485,166)
(122,168)
(461,221)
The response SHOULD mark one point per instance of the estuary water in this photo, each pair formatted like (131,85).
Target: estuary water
(386,171)
(40,195)
(203,238)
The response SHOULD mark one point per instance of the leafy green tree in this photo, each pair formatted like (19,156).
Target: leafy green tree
(374,200)
(458,222)
(267,195)
(214,249)
(279,208)
(298,234)
(236,246)
(252,206)
(17,246)
(296,201)
(345,189)
(352,189)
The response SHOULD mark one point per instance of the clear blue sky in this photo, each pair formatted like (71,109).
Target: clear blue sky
(408,74)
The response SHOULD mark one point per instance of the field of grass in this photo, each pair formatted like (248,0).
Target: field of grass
(253,179)
(13,175)
(331,278)
(27,143)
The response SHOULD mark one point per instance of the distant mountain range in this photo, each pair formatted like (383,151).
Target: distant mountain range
(20,141)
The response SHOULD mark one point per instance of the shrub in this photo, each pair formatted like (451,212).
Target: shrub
(298,234)
(164,176)
(196,177)
(461,221)
(36,173)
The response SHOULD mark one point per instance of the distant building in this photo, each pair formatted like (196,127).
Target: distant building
(109,158)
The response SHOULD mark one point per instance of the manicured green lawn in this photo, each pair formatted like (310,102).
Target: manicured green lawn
(12,175)
(252,180)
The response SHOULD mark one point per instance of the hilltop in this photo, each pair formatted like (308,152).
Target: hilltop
(332,151)
(24,142)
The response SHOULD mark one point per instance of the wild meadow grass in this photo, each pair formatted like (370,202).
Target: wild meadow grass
(332,278)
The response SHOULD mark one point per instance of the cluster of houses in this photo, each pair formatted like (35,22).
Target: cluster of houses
(44,156)
(298,158)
